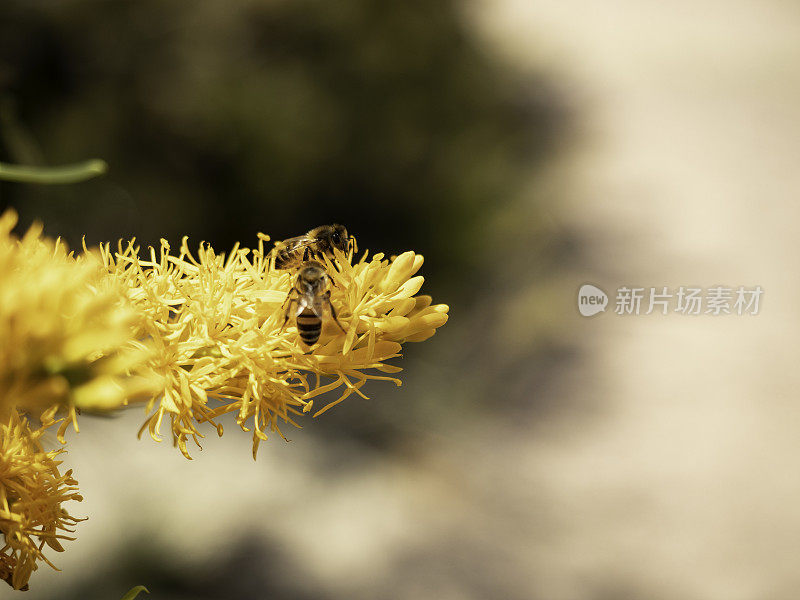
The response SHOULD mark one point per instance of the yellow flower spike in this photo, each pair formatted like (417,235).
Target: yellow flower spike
(32,491)
(216,322)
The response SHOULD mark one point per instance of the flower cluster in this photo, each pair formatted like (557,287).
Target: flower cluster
(216,323)
(32,490)
(66,330)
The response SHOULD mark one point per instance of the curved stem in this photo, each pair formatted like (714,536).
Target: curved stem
(53,175)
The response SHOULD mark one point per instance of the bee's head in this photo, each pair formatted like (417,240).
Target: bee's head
(338,237)
(312,275)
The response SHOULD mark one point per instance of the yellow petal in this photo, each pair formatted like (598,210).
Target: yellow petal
(410,287)
(391,324)
(267,296)
(399,271)
(402,307)
(102,393)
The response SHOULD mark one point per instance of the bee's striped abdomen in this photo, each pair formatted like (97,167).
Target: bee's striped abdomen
(286,258)
(292,256)
(309,326)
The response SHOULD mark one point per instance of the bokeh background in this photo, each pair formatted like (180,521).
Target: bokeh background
(525,147)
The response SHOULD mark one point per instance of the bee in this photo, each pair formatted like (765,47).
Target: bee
(317,243)
(311,293)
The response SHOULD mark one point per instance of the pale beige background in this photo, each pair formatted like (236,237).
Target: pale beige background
(685,483)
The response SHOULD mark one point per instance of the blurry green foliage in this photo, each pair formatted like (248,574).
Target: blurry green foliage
(223,118)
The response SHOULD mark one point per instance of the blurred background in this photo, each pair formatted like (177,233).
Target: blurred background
(525,147)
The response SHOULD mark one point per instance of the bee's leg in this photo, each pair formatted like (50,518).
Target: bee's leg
(288,304)
(289,297)
(333,310)
(286,314)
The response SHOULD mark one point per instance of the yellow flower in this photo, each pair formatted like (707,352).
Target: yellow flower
(216,323)
(32,491)
(66,332)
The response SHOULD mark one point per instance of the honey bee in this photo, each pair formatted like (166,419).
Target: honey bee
(317,243)
(311,292)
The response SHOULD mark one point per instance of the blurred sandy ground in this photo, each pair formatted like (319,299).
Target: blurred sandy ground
(687,175)
(681,483)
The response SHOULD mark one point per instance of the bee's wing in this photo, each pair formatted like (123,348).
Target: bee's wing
(301,241)
(317,308)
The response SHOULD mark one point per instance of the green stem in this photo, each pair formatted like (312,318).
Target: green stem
(53,175)
(133,592)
